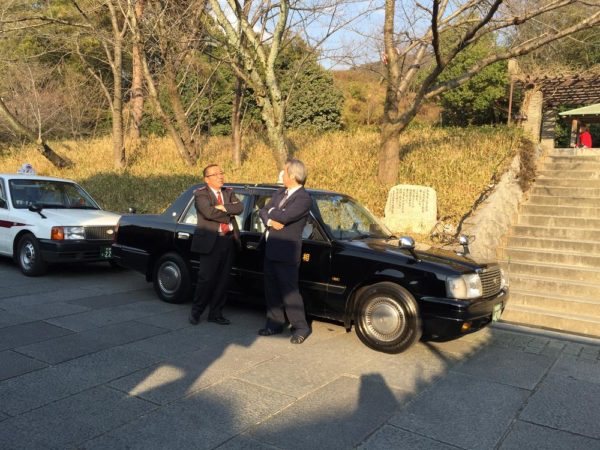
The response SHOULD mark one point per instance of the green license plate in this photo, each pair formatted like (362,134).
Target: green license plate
(106,253)
(497,312)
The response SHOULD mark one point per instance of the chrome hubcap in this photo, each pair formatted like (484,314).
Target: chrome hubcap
(169,277)
(27,256)
(384,319)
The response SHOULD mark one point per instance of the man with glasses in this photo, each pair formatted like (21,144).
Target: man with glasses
(214,237)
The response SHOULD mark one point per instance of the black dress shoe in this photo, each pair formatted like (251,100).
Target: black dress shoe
(194,320)
(268,332)
(297,339)
(220,320)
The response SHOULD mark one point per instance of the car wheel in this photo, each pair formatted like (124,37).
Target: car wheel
(387,318)
(29,256)
(172,278)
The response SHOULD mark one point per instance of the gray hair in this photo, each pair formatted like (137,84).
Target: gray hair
(297,170)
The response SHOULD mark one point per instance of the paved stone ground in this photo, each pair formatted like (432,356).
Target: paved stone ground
(91,359)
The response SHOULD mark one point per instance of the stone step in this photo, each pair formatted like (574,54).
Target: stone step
(555,271)
(570,166)
(550,257)
(555,233)
(568,174)
(565,191)
(591,157)
(572,152)
(563,211)
(556,303)
(559,222)
(552,287)
(565,245)
(568,182)
(564,201)
(549,320)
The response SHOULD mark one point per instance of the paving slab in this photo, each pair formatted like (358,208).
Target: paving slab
(8,318)
(390,437)
(13,364)
(175,378)
(528,436)
(464,411)
(78,418)
(35,389)
(515,368)
(566,404)
(203,420)
(118,299)
(578,368)
(64,348)
(50,310)
(340,415)
(243,442)
(413,370)
(107,316)
(28,333)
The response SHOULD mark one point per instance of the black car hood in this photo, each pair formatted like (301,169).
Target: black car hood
(437,257)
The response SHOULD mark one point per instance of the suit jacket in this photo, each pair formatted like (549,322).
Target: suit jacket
(210,218)
(285,245)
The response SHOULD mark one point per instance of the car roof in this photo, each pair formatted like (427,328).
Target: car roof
(19,176)
(278,186)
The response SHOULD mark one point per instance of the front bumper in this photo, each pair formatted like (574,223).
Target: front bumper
(448,318)
(75,251)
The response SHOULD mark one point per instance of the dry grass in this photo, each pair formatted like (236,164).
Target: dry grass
(457,163)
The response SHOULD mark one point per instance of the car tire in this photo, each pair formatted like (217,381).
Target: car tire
(172,278)
(387,318)
(29,256)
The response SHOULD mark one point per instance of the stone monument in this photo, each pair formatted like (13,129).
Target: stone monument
(411,208)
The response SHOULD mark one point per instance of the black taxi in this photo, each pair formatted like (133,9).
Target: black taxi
(353,270)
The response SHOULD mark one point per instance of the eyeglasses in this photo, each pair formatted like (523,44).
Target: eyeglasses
(215,174)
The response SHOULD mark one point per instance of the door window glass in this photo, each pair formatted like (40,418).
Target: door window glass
(3,202)
(191,218)
(256,223)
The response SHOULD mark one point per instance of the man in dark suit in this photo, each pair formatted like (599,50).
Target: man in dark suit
(285,216)
(214,239)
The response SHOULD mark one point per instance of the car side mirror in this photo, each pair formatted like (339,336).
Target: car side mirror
(408,243)
(131,210)
(463,240)
(34,207)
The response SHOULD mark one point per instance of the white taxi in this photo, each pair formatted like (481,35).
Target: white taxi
(46,220)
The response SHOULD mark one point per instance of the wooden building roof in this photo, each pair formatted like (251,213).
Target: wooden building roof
(575,89)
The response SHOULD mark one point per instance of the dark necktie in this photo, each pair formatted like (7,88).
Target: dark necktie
(282,202)
(223,227)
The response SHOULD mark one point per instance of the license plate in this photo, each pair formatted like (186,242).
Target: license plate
(106,253)
(497,312)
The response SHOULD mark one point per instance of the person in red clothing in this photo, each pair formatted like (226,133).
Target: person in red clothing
(585,138)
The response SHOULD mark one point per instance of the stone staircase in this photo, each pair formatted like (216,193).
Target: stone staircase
(552,253)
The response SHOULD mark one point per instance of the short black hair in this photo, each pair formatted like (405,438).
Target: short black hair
(206,169)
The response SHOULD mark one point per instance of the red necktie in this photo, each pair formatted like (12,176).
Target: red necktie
(223,227)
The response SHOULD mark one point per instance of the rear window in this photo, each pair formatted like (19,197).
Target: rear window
(49,194)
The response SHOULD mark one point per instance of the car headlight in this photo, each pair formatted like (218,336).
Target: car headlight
(464,287)
(63,233)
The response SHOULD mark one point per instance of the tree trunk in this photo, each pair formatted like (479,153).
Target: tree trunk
(179,112)
(137,82)
(389,154)
(42,146)
(236,124)
(273,118)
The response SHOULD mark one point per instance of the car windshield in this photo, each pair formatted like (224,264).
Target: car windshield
(49,194)
(346,219)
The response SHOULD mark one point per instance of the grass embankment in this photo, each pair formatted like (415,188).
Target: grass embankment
(457,163)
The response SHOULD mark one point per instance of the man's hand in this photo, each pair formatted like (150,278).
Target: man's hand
(276,225)
(220,208)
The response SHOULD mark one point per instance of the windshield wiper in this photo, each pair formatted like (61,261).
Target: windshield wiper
(360,236)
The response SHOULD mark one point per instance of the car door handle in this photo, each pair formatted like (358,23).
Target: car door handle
(181,235)
(251,245)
